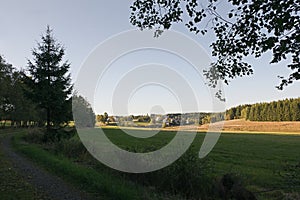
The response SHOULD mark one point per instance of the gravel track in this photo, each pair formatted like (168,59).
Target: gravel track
(49,184)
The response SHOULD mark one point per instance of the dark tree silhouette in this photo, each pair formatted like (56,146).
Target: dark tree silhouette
(6,106)
(249,28)
(14,107)
(48,81)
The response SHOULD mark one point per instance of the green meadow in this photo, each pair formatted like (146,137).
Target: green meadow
(258,157)
(266,165)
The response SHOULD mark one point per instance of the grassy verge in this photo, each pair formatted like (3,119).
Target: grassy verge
(100,185)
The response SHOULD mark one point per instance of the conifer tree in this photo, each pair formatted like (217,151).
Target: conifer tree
(48,80)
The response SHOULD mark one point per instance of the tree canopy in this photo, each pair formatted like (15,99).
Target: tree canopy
(248,28)
(13,105)
(6,85)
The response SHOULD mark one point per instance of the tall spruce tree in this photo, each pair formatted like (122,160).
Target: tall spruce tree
(48,80)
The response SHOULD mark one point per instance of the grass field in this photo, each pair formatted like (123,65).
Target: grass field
(262,161)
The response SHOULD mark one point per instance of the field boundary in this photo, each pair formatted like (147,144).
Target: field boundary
(175,129)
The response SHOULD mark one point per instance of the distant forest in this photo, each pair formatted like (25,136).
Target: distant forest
(283,110)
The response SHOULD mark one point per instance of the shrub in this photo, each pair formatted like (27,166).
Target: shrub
(71,148)
(230,186)
(35,135)
(41,135)
(56,135)
(188,178)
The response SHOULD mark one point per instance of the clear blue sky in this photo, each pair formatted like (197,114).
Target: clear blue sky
(81,25)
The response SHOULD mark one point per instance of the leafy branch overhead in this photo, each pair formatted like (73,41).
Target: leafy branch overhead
(248,28)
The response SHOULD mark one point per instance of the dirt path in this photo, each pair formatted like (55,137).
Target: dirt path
(51,185)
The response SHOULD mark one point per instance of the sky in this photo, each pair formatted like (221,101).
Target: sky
(83,26)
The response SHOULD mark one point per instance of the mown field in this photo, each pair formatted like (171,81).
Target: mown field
(265,164)
(258,157)
(259,126)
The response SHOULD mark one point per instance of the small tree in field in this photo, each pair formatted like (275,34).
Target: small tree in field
(48,81)
(84,115)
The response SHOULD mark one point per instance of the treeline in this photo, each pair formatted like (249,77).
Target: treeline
(41,94)
(18,110)
(160,120)
(282,110)
(14,106)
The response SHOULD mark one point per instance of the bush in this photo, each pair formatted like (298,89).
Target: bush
(188,178)
(42,136)
(230,186)
(35,135)
(72,148)
(56,135)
